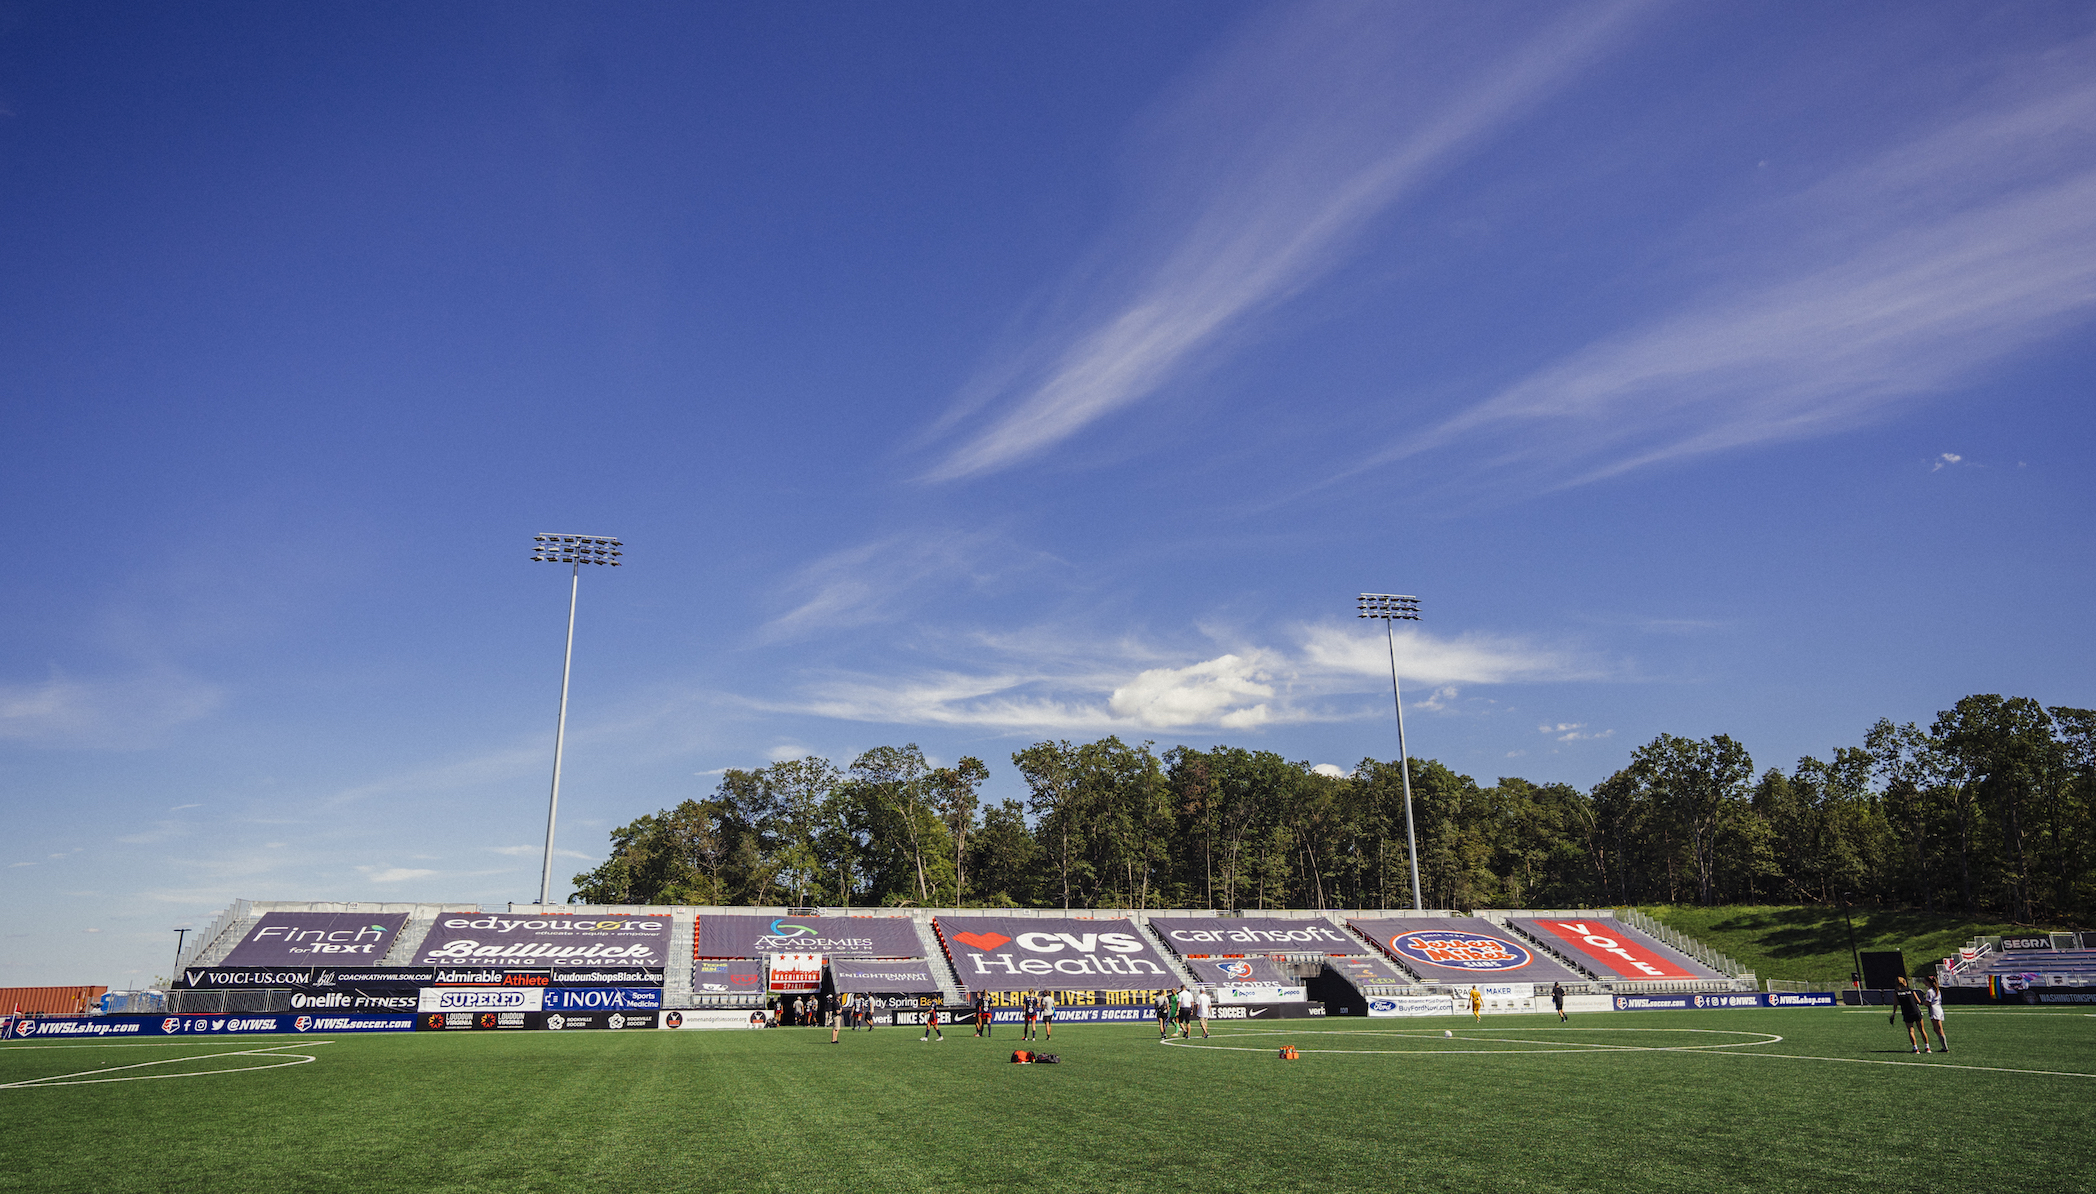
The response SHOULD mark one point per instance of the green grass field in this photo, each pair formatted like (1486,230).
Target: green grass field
(1793,1100)
(1810,943)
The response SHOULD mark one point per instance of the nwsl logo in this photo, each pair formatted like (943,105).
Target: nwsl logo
(1236,971)
(1460,951)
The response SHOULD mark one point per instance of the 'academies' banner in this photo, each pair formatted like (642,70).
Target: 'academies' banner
(559,941)
(1009,953)
(1615,951)
(1198,936)
(730,935)
(1438,948)
(311,938)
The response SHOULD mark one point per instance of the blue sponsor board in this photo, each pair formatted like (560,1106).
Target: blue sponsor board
(1657,1003)
(603,999)
(82,1027)
(1651,1003)
(1804,999)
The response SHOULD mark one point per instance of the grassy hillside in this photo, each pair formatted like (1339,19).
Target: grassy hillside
(1810,943)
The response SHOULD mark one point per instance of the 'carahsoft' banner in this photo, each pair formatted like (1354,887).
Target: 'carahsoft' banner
(317,938)
(1009,953)
(731,935)
(1207,936)
(539,941)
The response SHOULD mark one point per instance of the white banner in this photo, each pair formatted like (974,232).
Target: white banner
(481,999)
(1411,1005)
(796,974)
(1260,993)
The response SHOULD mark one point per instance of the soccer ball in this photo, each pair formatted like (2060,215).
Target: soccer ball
(1445,1032)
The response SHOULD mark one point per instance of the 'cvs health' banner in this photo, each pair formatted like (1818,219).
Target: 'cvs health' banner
(1009,953)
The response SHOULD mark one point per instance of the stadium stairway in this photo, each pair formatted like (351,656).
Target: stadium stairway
(1187,977)
(1561,957)
(676,969)
(950,986)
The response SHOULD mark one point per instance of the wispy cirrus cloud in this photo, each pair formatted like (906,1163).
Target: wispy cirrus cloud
(877,580)
(1886,282)
(1122,686)
(104,714)
(1258,172)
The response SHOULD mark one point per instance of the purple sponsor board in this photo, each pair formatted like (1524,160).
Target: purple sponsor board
(1367,970)
(317,939)
(539,941)
(1455,948)
(730,935)
(81,1027)
(1194,936)
(731,976)
(1240,971)
(1009,953)
(862,975)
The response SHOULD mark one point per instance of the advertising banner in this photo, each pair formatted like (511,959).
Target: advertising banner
(570,1021)
(479,976)
(551,941)
(736,936)
(602,999)
(1367,970)
(1804,999)
(1009,953)
(1411,1005)
(353,999)
(2027,941)
(481,999)
(225,978)
(708,1018)
(70,1028)
(861,975)
(1613,950)
(1263,993)
(310,938)
(1652,1003)
(1208,936)
(795,974)
(1238,970)
(729,977)
(1727,999)
(1440,948)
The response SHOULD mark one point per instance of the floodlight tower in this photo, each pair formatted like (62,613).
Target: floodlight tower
(574,550)
(1395,607)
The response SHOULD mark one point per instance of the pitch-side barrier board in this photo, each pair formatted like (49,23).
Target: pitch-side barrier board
(98,1027)
(411,978)
(964,1017)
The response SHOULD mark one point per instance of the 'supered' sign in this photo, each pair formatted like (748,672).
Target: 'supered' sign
(316,938)
(734,936)
(1002,953)
(481,999)
(546,941)
(1614,950)
(1194,936)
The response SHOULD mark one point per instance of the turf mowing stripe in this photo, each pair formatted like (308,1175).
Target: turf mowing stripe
(290,1059)
(1934,1065)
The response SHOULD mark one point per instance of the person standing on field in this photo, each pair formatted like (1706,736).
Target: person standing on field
(1477,1004)
(1047,1014)
(1203,998)
(1164,1014)
(1932,1003)
(1557,1000)
(830,1012)
(1910,1012)
(931,1025)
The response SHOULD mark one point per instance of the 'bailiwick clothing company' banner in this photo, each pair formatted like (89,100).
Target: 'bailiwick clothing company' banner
(539,941)
(317,938)
(730,935)
(1208,936)
(1009,953)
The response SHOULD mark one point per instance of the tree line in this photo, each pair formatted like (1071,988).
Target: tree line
(1987,810)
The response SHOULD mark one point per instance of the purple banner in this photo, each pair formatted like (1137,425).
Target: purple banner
(317,938)
(538,941)
(1461,949)
(1237,972)
(1193,936)
(736,936)
(1009,953)
(1367,970)
(900,977)
(736,976)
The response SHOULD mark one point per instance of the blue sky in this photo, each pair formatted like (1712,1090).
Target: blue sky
(970,375)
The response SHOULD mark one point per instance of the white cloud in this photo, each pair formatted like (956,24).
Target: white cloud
(393,874)
(876,581)
(1909,273)
(1263,166)
(779,754)
(1944,461)
(120,714)
(180,807)
(1572,731)
(1116,687)
(1333,770)
(534,852)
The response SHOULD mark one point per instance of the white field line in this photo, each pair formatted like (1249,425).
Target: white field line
(60,1079)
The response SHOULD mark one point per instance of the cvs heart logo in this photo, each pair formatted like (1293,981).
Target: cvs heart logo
(981,940)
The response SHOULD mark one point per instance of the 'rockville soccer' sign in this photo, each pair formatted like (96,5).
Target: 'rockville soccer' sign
(538,942)
(1008,953)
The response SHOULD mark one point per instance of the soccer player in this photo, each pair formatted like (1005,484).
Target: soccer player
(931,1025)
(1910,1011)
(1202,999)
(1047,1014)
(830,1012)
(977,1000)
(1477,1004)
(1030,1016)
(1932,1002)
(1164,1014)
(1557,999)
(1186,1013)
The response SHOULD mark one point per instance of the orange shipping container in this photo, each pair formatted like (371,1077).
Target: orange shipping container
(62,1001)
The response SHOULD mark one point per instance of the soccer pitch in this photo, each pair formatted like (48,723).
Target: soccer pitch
(1723,1100)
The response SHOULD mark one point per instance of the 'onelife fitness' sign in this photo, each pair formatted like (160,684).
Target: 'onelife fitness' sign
(310,938)
(1007,953)
(537,942)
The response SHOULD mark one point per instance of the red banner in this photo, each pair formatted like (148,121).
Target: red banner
(1602,941)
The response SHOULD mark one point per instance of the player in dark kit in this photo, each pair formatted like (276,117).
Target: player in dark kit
(931,1025)
(1910,1011)
(1557,1000)
(831,1011)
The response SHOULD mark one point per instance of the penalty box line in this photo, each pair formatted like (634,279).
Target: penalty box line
(259,1051)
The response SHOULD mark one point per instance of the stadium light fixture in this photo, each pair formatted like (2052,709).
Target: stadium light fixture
(1396,607)
(575,551)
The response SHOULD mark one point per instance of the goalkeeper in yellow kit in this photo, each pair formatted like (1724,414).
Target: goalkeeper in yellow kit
(1477,1004)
